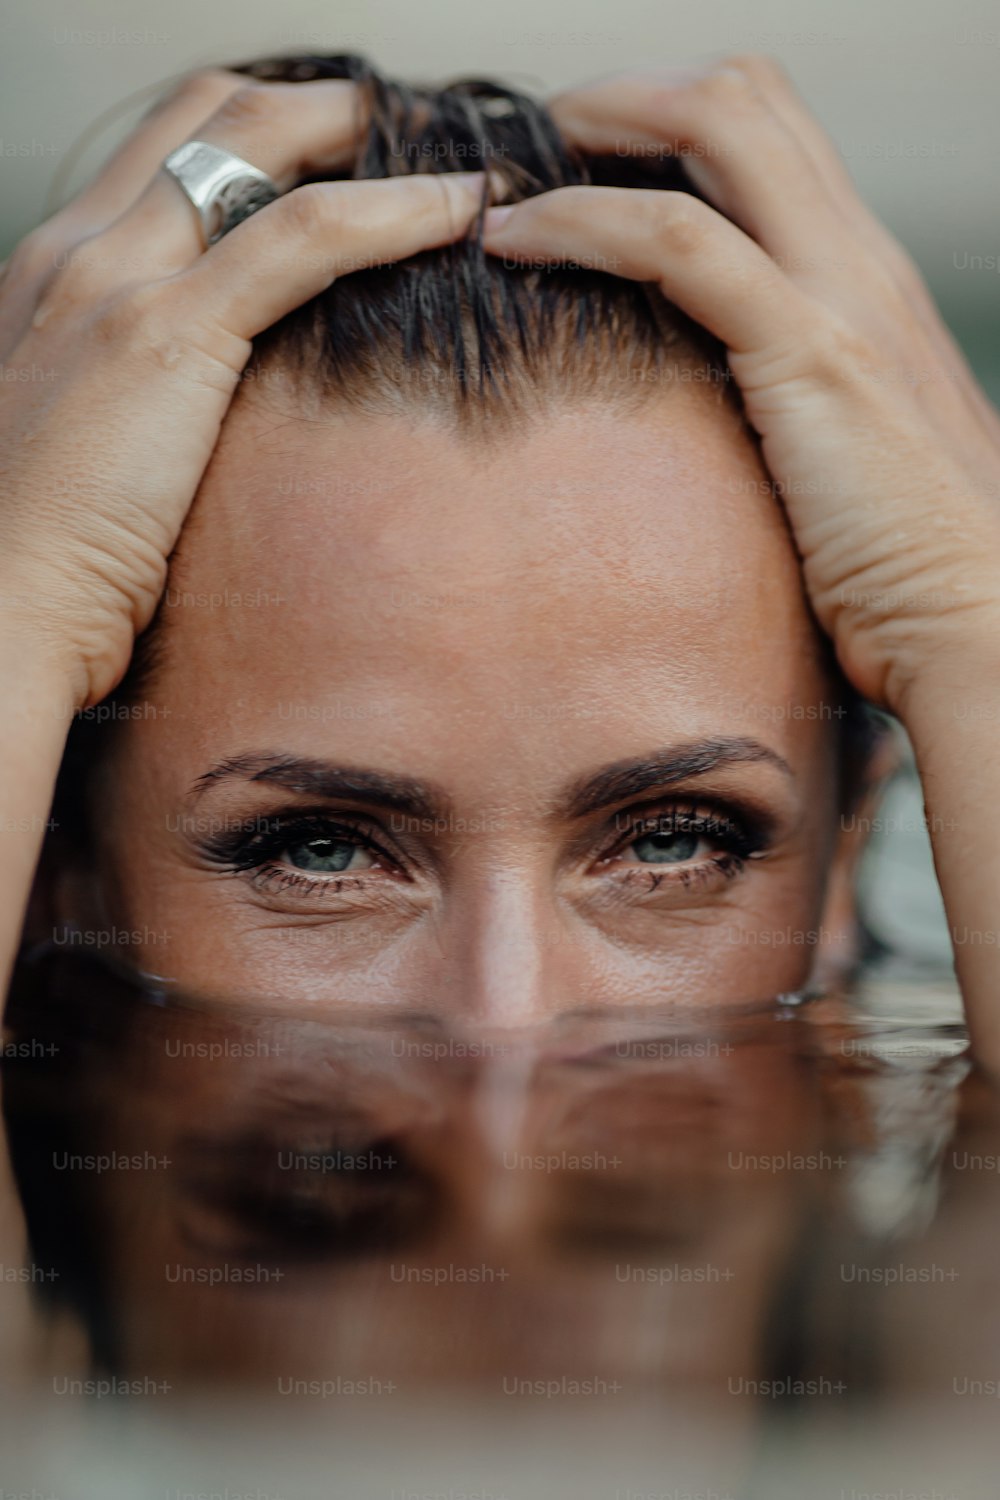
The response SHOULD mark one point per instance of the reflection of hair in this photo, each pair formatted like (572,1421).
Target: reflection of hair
(457,330)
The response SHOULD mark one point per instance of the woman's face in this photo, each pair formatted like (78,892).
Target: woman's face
(494,734)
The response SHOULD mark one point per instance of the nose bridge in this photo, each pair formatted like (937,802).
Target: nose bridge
(508,969)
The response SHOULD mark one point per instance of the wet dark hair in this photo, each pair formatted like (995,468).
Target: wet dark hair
(454,329)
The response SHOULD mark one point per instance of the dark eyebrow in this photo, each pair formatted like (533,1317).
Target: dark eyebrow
(620,782)
(321,778)
(631,778)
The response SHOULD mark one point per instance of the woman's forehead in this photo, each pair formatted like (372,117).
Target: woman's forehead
(602,583)
(586,521)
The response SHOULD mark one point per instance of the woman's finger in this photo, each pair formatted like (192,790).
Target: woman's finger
(128,172)
(734,147)
(595,117)
(288,130)
(117,186)
(293,249)
(705,264)
(774,84)
(869,487)
(773,81)
(860,258)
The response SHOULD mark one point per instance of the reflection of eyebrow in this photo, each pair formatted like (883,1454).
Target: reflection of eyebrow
(320,778)
(630,778)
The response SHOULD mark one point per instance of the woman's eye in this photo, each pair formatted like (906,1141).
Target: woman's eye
(663,848)
(328,856)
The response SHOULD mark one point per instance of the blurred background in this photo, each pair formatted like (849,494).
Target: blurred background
(908,90)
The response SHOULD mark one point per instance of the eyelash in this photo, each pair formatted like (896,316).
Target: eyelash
(739,842)
(694,818)
(257,855)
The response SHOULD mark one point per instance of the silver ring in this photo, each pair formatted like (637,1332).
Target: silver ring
(224,188)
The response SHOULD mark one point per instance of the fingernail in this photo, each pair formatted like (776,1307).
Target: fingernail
(495,218)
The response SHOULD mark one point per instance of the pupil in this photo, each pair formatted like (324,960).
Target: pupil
(666,848)
(327,855)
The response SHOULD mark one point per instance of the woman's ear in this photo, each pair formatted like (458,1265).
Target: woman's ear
(838,946)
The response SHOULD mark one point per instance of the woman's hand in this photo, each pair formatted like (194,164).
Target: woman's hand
(122,344)
(883,449)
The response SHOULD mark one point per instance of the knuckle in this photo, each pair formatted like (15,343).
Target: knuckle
(248,107)
(136,316)
(37,255)
(310,210)
(663,103)
(729,86)
(840,350)
(206,89)
(680,223)
(79,278)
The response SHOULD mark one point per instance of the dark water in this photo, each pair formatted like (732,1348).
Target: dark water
(762,1230)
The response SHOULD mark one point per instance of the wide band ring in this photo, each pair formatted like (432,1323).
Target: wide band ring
(224,188)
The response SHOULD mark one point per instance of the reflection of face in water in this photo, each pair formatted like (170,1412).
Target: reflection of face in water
(618,1197)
